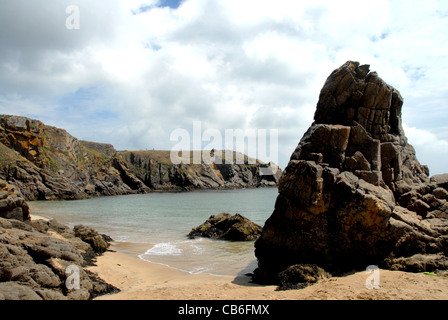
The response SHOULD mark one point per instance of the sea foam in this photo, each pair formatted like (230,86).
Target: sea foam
(164,249)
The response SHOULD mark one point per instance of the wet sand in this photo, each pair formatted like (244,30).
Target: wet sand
(142,280)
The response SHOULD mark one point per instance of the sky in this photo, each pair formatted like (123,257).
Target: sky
(132,72)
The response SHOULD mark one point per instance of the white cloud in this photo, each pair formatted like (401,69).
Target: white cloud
(430,149)
(143,70)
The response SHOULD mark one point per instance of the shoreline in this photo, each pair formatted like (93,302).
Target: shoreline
(142,280)
(38,217)
(156,191)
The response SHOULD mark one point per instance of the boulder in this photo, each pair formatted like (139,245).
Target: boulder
(353,193)
(12,204)
(440,180)
(16,291)
(225,226)
(300,276)
(99,243)
(34,262)
(440,193)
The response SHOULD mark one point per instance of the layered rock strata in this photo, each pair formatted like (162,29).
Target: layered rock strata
(47,163)
(12,204)
(354,193)
(155,170)
(46,260)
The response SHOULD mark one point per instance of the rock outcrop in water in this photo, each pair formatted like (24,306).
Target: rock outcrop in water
(39,259)
(47,163)
(354,193)
(225,226)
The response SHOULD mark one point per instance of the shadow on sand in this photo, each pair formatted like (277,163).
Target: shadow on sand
(244,277)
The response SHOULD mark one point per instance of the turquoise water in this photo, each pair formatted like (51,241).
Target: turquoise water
(163,220)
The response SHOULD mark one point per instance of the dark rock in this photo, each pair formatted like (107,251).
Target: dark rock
(58,227)
(441,180)
(40,225)
(47,294)
(92,237)
(419,262)
(44,276)
(432,201)
(420,207)
(41,248)
(15,291)
(130,179)
(408,198)
(300,276)
(440,193)
(12,204)
(357,162)
(224,226)
(99,286)
(354,193)
(34,262)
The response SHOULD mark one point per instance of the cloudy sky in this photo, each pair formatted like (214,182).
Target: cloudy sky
(137,70)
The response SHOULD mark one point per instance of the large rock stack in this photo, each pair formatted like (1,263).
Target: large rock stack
(354,193)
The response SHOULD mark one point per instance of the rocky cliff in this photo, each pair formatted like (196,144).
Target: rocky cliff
(354,193)
(46,163)
(155,169)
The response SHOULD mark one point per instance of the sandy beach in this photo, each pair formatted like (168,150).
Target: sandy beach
(142,280)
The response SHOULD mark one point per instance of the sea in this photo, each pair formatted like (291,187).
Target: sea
(158,225)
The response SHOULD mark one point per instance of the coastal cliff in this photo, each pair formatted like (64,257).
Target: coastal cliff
(47,163)
(354,193)
(155,169)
